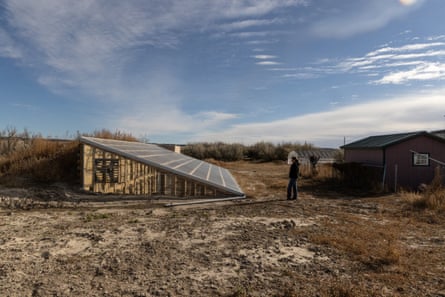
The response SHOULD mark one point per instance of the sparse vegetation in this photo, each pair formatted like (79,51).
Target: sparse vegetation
(261,151)
(325,244)
(40,160)
(107,134)
(89,217)
(27,158)
(350,247)
(432,196)
(373,245)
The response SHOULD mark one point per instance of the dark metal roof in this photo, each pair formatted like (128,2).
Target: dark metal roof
(382,141)
(325,154)
(440,133)
(166,160)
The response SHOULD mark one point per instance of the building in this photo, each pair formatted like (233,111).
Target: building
(323,155)
(122,167)
(407,159)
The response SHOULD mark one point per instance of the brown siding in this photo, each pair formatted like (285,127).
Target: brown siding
(368,156)
(408,175)
(400,171)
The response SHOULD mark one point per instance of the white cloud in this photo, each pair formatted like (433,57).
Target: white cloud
(251,34)
(408,2)
(405,113)
(264,57)
(268,63)
(302,75)
(244,24)
(425,71)
(399,65)
(170,122)
(408,47)
(364,16)
(89,43)
(246,8)
(8,49)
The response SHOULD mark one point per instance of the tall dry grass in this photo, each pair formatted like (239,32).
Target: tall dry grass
(29,158)
(432,197)
(41,160)
(107,134)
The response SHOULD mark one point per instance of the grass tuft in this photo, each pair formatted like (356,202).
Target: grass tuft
(432,198)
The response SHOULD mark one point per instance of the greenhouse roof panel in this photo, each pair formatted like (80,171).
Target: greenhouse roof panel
(172,162)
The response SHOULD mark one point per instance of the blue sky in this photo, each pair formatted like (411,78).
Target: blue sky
(179,71)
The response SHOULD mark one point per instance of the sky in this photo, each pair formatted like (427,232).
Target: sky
(237,71)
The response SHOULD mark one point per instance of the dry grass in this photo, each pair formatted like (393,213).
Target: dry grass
(367,246)
(28,160)
(107,134)
(373,244)
(40,161)
(432,198)
(271,178)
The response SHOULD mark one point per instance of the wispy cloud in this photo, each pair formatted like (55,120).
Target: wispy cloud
(179,126)
(397,65)
(406,48)
(421,111)
(425,71)
(264,57)
(88,44)
(245,24)
(268,63)
(266,60)
(8,48)
(365,15)
(252,34)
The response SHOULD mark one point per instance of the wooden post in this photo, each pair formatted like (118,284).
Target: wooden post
(395,177)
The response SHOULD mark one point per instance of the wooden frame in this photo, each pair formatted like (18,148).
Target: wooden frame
(106,172)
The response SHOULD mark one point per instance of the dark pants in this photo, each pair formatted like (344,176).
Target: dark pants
(292,189)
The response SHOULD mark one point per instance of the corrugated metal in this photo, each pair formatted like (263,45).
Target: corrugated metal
(381,141)
(440,133)
(164,159)
(325,154)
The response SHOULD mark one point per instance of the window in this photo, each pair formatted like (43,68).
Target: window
(421,159)
(107,170)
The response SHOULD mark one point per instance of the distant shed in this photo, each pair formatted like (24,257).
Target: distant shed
(323,155)
(122,167)
(407,159)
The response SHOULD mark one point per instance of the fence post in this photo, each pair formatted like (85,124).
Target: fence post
(395,177)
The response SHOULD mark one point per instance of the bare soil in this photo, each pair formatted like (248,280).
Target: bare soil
(55,242)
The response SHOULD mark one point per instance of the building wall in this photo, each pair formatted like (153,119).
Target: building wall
(105,172)
(400,169)
(367,156)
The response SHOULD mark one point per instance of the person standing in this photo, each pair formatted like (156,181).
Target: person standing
(292,189)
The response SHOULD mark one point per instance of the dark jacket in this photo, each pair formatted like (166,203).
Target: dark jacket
(294,170)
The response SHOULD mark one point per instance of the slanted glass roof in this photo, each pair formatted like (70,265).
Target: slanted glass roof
(175,163)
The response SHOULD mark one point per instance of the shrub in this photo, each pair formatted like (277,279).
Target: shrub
(107,134)
(433,196)
(217,151)
(261,151)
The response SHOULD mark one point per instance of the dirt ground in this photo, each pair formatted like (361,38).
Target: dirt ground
(326,243)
